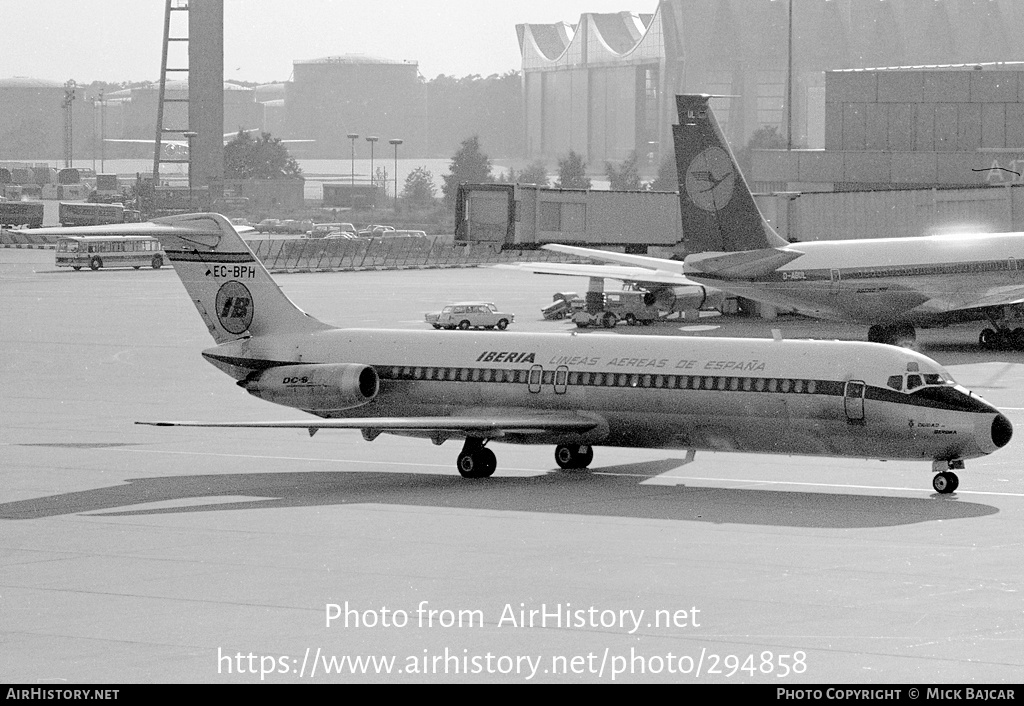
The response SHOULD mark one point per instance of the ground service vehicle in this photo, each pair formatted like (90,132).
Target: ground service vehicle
(608,308)
(563,304)
(467,315)
(99,251)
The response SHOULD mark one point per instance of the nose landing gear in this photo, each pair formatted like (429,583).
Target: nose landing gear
(945,481)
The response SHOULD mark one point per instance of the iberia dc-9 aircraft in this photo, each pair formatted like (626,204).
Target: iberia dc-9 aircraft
(821,398)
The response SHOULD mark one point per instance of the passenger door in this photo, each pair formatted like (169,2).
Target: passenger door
(853,400)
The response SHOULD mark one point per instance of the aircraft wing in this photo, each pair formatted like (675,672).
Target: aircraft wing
(183,143)
(640,275)
(1007,296)
(493,427)
(193,229)
(140,141)
(644,261)
(748,264)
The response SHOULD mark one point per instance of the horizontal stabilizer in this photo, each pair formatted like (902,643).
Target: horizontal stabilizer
(646,261)
(746,265)
(640,275)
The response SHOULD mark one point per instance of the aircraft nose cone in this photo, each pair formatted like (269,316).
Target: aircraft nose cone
(1002,431)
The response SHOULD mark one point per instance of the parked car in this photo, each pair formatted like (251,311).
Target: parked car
(466,315)
(268,225)
(327,230)
(373,231)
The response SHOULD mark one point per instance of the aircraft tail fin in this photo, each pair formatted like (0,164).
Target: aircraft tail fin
(717,208)
(230,287)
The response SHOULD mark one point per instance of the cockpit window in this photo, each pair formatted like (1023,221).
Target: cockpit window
(896,382)
(914,382)
(933,379)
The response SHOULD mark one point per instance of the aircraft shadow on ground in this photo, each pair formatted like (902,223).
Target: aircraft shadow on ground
(602,492)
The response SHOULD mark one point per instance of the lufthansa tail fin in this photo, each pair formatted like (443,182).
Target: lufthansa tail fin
(232,290)
(717,208)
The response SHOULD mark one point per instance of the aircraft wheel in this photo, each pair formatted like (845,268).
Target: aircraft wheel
(570,456)
(876,334)
(502,324)
(608,320)
(945,482)
(479,463)
(437,327)
(986,339)
(463,325)
(95,263)
(488,463)
(157,262)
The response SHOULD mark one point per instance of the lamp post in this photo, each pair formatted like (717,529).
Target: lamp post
(371,139)
(396,142)
(188,136)
(103,135)
(353,136)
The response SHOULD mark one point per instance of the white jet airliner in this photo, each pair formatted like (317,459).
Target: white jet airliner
(892,284)
(822,398)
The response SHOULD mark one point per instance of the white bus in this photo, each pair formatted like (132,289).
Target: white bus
(97,251)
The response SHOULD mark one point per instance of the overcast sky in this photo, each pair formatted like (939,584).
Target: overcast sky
(120,40)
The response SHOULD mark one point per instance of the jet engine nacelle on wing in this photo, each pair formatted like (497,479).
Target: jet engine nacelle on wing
(315,388)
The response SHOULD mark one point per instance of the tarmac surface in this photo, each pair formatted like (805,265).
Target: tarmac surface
(139,554)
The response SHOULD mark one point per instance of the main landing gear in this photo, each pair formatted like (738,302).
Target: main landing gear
(476,460)
(945,481)
(1002,339)
(1005,334)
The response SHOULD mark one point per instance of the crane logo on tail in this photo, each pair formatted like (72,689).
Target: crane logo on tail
(234,307)
(710,179)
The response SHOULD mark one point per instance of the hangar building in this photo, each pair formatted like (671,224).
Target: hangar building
(331,97)
(604,85)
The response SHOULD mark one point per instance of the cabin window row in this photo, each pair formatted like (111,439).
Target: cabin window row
(127,246)
(587,379)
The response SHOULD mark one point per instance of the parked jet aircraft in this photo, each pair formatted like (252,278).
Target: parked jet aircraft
(825,398)
(892,284)
(179,148)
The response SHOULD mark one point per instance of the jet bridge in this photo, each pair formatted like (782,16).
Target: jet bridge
(526,216)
